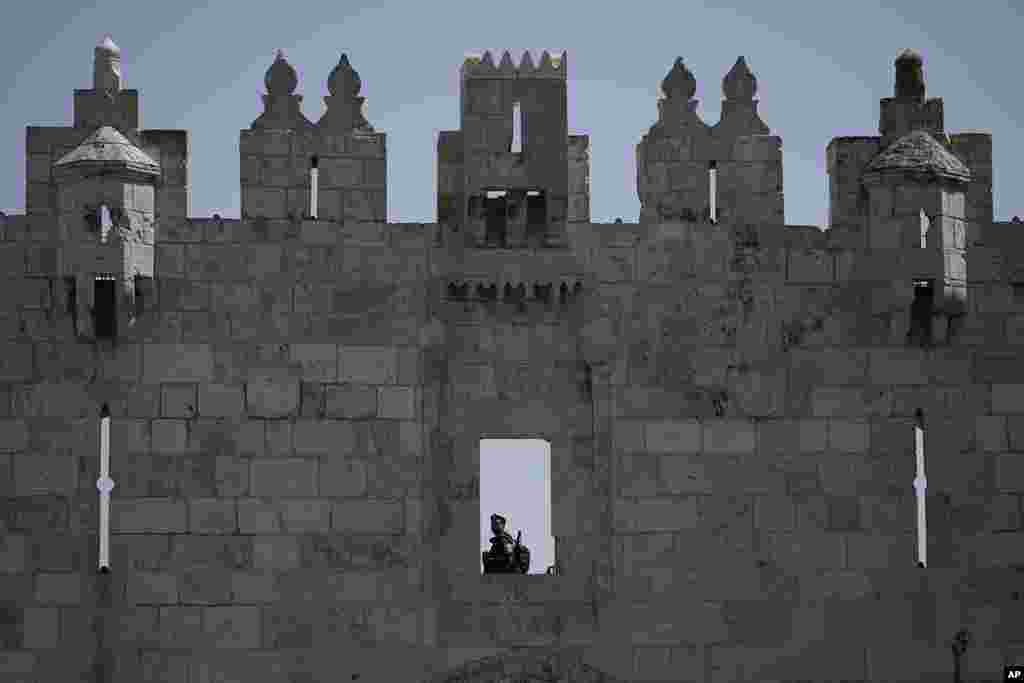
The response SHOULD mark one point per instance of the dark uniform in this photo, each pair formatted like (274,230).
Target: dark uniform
(506,556)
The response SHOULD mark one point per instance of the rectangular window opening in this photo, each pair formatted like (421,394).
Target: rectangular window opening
(497,217)
(920,487)
(515,483)
(536,212)
(105,222)
(926,223)
(104,485)
(105,307)
(713,190)
(517,129)
(71,295)
(1018,293)
(921,311)
(314,177)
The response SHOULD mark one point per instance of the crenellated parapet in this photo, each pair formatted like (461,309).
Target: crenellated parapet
(484,67)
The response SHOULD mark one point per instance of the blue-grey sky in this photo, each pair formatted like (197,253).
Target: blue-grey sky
(821,69)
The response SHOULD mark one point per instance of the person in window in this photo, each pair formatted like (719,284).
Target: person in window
(505,556)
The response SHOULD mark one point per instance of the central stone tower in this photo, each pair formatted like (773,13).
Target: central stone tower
(512,176)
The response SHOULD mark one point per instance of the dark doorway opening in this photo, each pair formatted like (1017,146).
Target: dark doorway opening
(105,307)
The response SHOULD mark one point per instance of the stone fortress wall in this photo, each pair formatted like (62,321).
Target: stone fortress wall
(297,401)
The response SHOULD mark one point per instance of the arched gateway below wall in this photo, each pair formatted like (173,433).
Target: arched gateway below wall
(528,665)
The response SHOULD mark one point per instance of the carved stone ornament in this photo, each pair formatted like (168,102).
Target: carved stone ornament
(739,83)
(281,78)
(679,82)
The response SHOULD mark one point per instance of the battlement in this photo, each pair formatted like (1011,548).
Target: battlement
(476,66)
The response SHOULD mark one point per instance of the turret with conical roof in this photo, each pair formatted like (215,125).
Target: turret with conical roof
(909,189)
(105,184)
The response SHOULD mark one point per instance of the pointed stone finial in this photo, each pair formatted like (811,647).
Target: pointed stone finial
(488,61)
(106,71)
(739,83)
(344,80)
(526,64)
(107,46)
(909,74)
(280,78)
(679,82)
(344,106)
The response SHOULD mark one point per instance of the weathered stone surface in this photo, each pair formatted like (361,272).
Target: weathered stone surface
(297,405)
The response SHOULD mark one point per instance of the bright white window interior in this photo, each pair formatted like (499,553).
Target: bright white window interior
(496,194)
(106,223)
(925,225)
(104,485)
(515,482)
(713,189)
(920,485)
(517,128)
(314,177)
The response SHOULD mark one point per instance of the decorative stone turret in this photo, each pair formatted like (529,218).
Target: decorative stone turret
(107,67)
(492,193)
(677,156)
(944,160)
(908,110)
(344,106)
(281,107)
(107,103)
(106,197)
(282,147)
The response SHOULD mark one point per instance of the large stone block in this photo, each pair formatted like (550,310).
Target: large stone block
(170,437)
(177,363)
(848,436)
(317,361)
(656,514)
(44,474)
(283,477)
(343,478)
(367,365)
(212,516)
(1007,399)
(672,436)
(258,516)
(1010,472)
(58,588)
(269,396)
(148,515)
(368,516)
(397,403)
(334,438)
(275,553)
(809,266)
(220,400)
(799,552)
(734,437)
(232,626)
(305,515)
